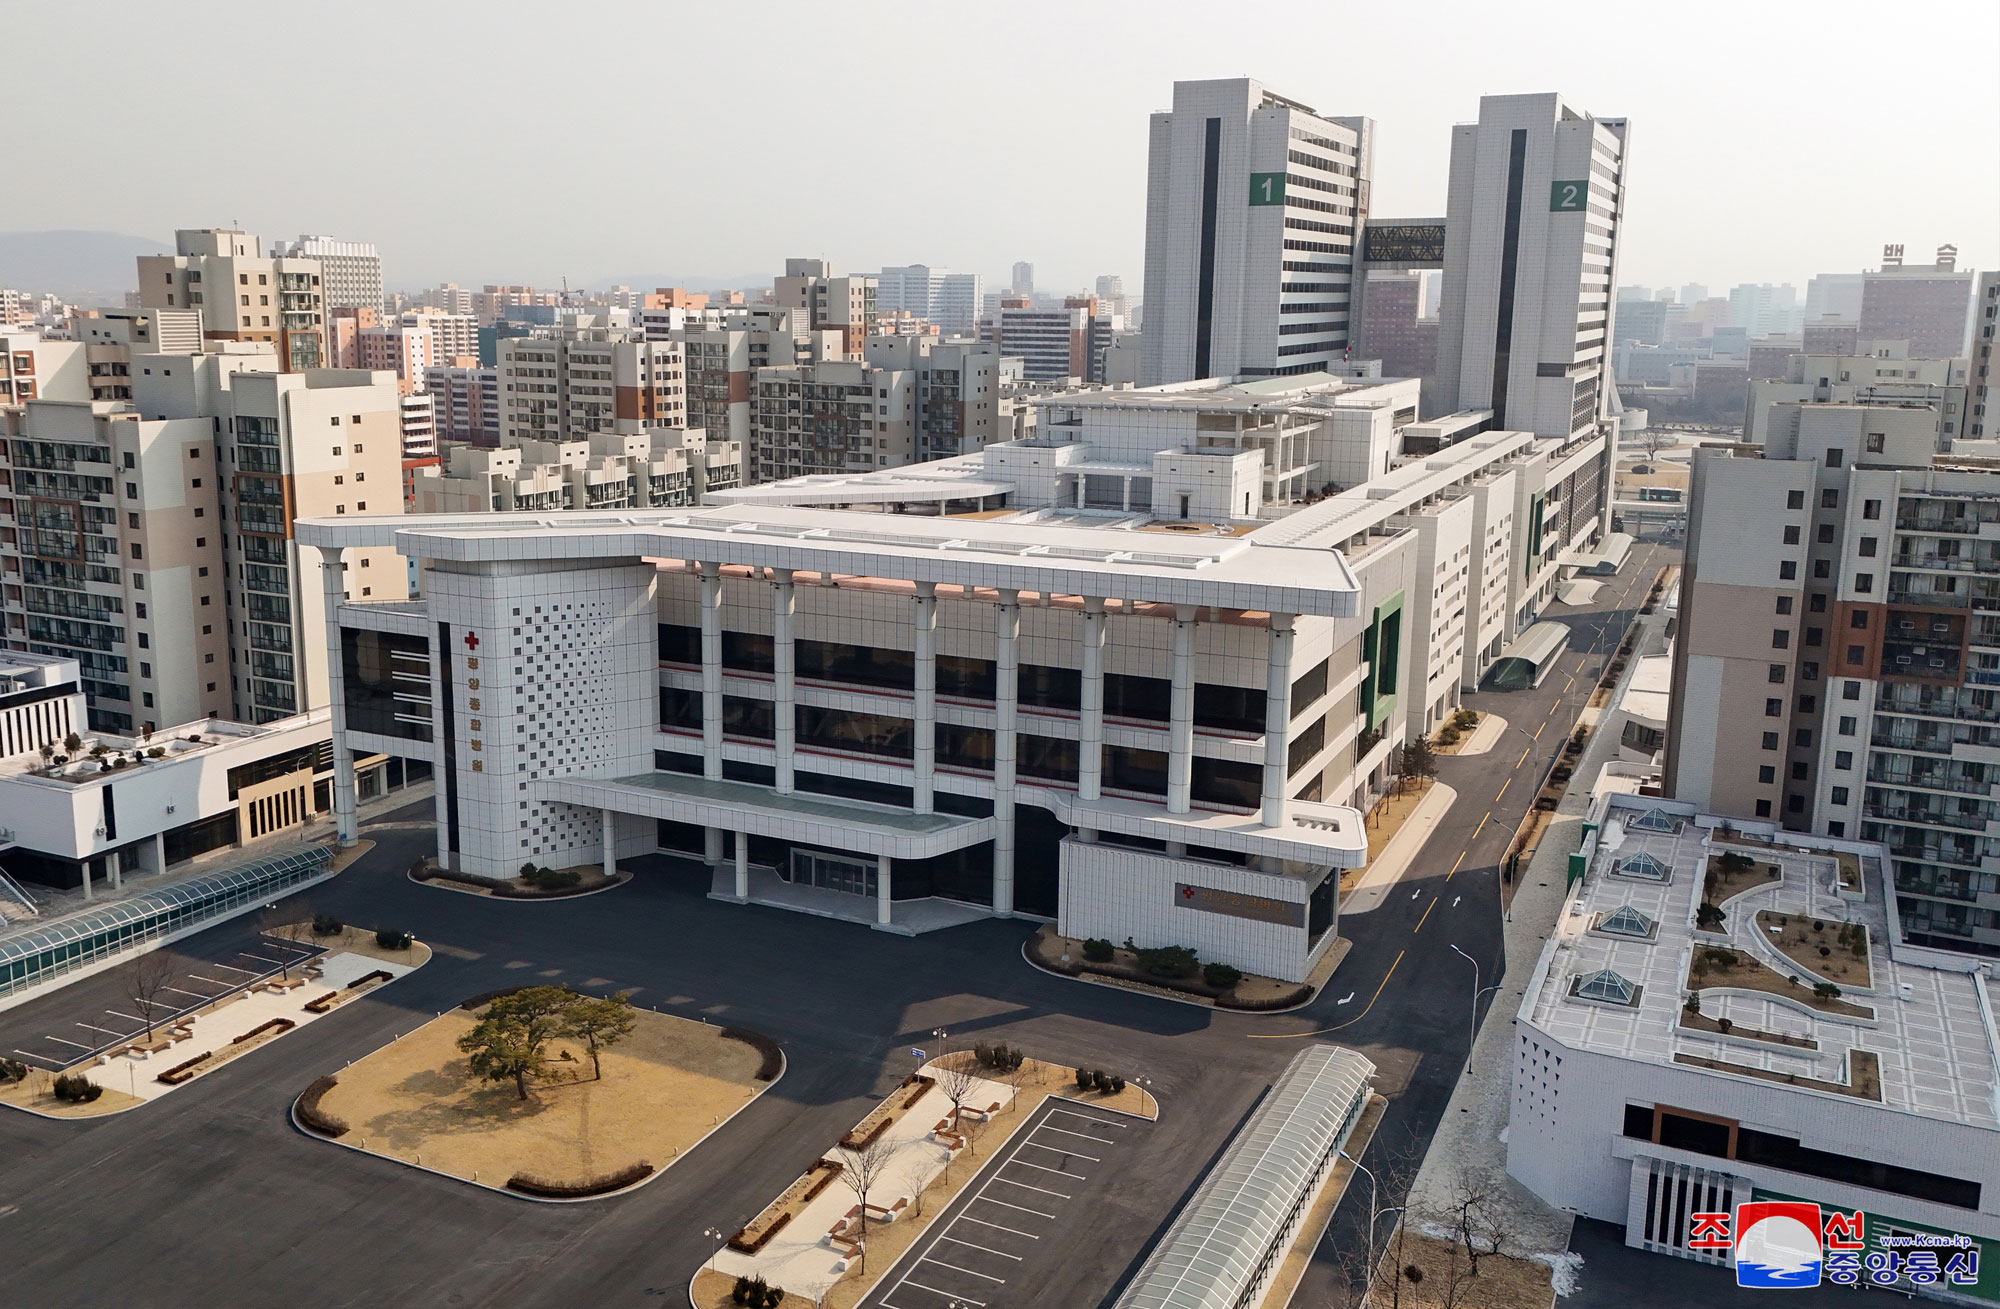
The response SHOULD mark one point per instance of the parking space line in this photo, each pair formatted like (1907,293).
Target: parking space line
(199,995)
(115,1014)
(1088,1118)
(227,968)
(1101,1140)
(968,1218)
(92,1027)
(212,981)
(1039,1168)
(1025,1187)
(60,1041)
(245,954)
(1063,1150)
(949,1295)
(998,1281)
(957,1240)
(1005,1205)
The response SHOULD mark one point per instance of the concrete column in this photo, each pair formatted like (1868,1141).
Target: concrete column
(86,877)
(1278,721)
(1180,714)
(1006,703)
(1090,732)
(160,852)
(344,826)
(711,671)
(882,898)
(742,865)
(924,744)
(711,846)
(784,690)
(114,865)
(610,840)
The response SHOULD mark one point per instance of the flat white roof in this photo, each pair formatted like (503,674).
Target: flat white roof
(1066,558)
(1935,1048)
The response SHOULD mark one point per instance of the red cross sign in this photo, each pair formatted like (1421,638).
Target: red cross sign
(471,641)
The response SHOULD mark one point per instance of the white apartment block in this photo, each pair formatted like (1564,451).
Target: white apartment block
(1531,255)
(1252,205)
(35,368)
(14,310)
(841,416)
(959,406)
(828,300)
(587,379)
(1979,425)
(1883,374)
(352,270)
(646,468)
(1838,661)
(418,423)
(952,300)
(453,336)
(1667,1064)
(722,359)
(449,298)
(110,336)
(408,352)
(243,295)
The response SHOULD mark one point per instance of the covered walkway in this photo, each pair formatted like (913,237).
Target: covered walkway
(1528,657)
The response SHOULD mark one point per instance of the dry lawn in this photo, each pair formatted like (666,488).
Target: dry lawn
(887,1242)
(1797,941)
(32,1093)
(353,940)
(1708,968)
(1447,1281)
(1391,812)
(1720,884)
(664,1089)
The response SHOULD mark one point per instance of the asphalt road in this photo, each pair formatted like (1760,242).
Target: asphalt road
(209,1196)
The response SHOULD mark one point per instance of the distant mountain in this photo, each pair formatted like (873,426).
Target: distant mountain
(79,265)
(654,281)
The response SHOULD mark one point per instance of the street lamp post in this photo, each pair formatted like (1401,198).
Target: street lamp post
(714,1234)
(1373,1214)
(1472,1036)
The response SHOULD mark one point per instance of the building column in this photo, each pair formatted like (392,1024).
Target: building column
(784,684)
(882,898)
(86,877)
(742,864)
(1006,702)
(610,823)
(1090,703)
(331,582)
(1278,720)
(1180,714)
(924,743)
(114,865)
(159,852)
(711,670)
(711,846)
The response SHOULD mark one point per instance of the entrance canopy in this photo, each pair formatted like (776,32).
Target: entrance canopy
(1528,657)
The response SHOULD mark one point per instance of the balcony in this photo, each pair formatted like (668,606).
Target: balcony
(1930,781)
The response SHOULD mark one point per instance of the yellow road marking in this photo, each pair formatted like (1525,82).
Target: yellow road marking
(1537,736)
(1293,1036)
(1503,789)
(1477,830)
(1455,867)
(1524,756)
(1427,912)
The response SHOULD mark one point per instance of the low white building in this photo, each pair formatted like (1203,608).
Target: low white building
(643,468)
(1668,1062)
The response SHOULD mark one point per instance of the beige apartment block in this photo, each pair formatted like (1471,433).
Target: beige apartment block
(242,293)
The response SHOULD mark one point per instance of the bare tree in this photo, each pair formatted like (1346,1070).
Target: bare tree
(293,926)
(146,980)
(1481,1219)
(864,1168)
(957,1080)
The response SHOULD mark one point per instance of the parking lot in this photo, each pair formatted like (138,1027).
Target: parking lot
(1011,1237)
(97,1013)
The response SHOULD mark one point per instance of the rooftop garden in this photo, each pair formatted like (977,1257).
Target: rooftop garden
(1719,966)
(1832,950)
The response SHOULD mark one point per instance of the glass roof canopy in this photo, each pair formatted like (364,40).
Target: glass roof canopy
(1232,1233)
(33,938)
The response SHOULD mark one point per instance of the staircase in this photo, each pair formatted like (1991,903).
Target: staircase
(15,902)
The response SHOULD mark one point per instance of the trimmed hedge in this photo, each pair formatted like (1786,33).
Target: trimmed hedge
(774,1058)
(529,1184)
(274,1025)
(180,1072)
(762,1238)
(512,890)
(310,1115)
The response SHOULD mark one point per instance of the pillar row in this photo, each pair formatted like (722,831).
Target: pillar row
(331,584)
(1006,703)
(1277,720)
(784,688)
(1180,714)
(924,745)
(1090,734)
(711,670)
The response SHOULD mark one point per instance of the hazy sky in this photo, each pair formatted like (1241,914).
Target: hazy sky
(502,141)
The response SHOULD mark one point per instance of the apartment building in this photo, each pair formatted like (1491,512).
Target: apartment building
(586,379)
(828,300)
(1837,670)
(1979,369)
(1882,373)
(448,298)
(840,416)
(1057,344)
(1924,304)
(1252,205)
(959,406)
(351,270)
(722,359)
(109,337)
(14,310)
(644,468)
(496,303)
(408,352)
(35,368)
(452,334)
(951,300)
(243,294)
(1670,1065)
(465,401)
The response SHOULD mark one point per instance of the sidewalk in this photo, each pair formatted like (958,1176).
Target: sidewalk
(1402,850)
(1473,1132)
